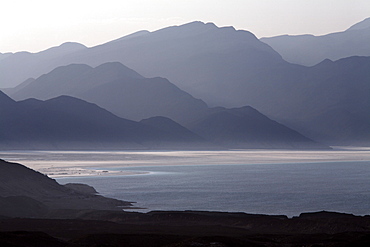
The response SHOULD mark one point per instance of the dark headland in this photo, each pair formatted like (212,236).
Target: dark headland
(37,211)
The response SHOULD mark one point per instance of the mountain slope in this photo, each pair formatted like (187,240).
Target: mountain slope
(335,107)
(69,123)
(230,68)
(173,129)
(18,67)
(299,48)
(245,127)
(116,88)
(197,57)
(193,56)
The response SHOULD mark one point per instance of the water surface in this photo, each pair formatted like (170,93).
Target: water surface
(288,189)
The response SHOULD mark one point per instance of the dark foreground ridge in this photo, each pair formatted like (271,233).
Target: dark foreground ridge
(25,193)
(189,228)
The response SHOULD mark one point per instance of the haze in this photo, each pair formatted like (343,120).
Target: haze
(36,25)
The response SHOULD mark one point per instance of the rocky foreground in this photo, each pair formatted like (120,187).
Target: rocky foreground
(36,211)
(106,228)
(27,193)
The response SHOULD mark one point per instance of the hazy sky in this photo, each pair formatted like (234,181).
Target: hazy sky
(39,24)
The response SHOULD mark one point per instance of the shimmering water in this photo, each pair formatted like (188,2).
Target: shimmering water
(288,189)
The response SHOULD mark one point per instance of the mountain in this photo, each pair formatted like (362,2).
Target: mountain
(173,129)
(193,56)
(126,93)
(335,107)
(116,88)
(197,57)
(365,24)
(27,193)
(70,123)
(309,49)
(4,55)
(232,68)
(10,91)
(245,127)
(15,68)
(5,101)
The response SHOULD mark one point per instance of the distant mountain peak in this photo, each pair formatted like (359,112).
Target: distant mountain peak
(118,68)
(71,67)
(324,62)
(189,27)
(197,23)
(72,45)
(65,47)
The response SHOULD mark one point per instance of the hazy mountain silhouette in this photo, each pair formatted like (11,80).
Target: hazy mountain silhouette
(230,68)
(188,55)
(18,67)
(336,104)
(70,123)
(116,88)
(5,101)
(4,55)
(27,193)
(124,92)
(197,57)
(309,49)
(10,91)
(361,25)
(174,130)
(245,127)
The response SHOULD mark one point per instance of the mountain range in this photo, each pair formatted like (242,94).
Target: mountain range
(224,67)
(309,49)
(116,88)
(70,123)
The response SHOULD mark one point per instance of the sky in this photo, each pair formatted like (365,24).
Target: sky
(39,24)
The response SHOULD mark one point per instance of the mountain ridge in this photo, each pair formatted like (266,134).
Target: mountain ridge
(334,46)
(360,25)
(69,123)
(116,88)
(229,68)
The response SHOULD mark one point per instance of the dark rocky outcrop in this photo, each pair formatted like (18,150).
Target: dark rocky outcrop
(27,193)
